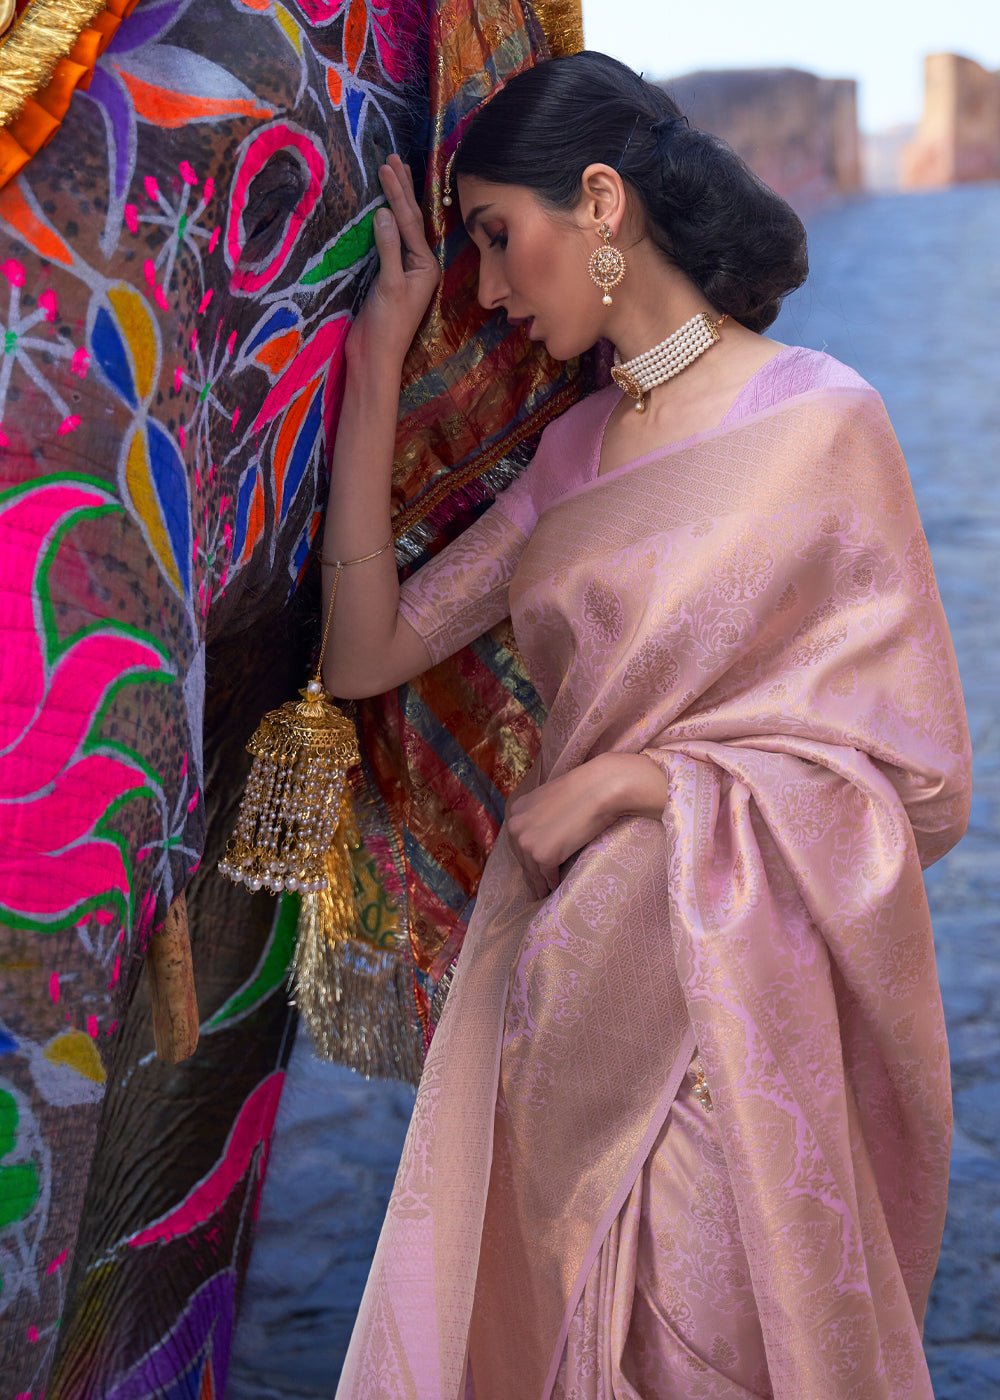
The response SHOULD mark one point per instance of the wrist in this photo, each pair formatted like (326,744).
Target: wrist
(373,370)
(631,784)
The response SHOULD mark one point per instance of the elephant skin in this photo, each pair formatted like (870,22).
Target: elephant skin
(178,268)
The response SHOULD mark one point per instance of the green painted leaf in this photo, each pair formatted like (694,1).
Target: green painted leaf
(19,1183)
(352,245)
(18,1191)
(270,971)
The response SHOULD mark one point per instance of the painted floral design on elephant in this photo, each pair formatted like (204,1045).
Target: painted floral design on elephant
(60,782)
(20,345)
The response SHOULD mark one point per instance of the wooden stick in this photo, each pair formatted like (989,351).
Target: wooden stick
(171,985)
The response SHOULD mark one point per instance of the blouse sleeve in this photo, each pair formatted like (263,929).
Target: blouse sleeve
(462,592)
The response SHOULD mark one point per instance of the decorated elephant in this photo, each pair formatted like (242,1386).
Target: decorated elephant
(178,269)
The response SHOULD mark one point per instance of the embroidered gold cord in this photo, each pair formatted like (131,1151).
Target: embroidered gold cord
(30,50)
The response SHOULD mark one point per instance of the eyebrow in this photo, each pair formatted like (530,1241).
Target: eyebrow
(473,218)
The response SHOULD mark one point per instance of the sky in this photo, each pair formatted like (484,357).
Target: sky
(881,43)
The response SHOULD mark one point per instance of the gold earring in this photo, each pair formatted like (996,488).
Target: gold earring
(446,197)
(606,266)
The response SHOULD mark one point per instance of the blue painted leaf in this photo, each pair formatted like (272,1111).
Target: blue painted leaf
(110,353)
(354,101)
(283,320)
(170,482)
(243,499)
(301,453)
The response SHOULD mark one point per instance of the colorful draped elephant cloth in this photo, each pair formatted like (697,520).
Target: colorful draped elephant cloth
(754,609)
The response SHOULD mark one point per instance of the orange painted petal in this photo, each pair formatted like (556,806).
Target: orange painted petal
(16,211)
(287,434)
(172,109)
(255,524)
(334,86)
(355,33)
(276,353)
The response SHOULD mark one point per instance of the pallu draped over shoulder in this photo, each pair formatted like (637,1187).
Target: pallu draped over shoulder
(755,610)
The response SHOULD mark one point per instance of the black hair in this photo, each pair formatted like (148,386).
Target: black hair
(738,241)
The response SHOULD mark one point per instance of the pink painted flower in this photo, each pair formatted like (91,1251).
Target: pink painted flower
(49,303)
(14,272)
(394,34)
(131,218)
(151,187)
(321,11)
(80,362)
(187,173)
(56,784)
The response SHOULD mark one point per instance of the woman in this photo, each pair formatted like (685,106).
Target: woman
(684,1127)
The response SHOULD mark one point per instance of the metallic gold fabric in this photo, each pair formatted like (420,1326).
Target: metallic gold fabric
(755,611)
(476,394)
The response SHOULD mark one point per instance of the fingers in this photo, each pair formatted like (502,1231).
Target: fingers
(538,883)
(397,182)
(541,876)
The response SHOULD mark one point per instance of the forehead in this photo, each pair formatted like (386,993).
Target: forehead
(486,199)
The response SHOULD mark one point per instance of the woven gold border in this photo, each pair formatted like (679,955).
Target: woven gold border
(46,32)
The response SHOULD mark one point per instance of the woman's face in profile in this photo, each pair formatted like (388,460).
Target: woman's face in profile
(533,264)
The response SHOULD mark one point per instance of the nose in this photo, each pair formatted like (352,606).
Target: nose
(492,285)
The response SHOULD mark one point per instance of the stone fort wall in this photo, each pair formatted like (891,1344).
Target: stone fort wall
(958,139)
(797,131)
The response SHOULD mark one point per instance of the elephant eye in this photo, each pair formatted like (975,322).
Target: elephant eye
(277,186)
(273,195)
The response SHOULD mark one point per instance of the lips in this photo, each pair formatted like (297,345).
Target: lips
(526,321)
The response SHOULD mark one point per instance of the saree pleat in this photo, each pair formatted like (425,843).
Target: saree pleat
(668,1308)
(755,611)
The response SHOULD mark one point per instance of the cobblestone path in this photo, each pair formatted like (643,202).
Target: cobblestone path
(907,290)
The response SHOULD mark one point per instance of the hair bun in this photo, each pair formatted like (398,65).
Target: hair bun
(666,126)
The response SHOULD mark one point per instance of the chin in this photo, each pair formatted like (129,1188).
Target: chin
(561,349)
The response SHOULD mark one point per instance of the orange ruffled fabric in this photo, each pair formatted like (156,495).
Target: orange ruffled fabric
(43,113)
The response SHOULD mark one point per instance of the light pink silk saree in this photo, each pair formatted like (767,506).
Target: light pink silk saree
(756,611)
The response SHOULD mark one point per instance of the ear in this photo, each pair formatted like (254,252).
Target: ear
(602,198)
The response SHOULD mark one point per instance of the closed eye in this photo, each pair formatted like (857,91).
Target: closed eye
(498,240)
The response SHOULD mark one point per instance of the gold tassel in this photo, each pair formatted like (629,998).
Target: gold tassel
(294,833)
(293,830)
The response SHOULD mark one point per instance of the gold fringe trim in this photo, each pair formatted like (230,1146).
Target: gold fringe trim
(562,21)
(364,1016)
(46,32)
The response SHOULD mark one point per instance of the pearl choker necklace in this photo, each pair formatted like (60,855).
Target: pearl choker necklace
(656,366)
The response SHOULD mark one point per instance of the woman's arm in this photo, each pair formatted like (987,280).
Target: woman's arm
(549,825)
(370,648)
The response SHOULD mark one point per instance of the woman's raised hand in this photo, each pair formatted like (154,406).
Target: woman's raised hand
(407,277)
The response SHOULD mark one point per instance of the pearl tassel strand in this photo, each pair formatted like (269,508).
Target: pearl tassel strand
(642,373)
